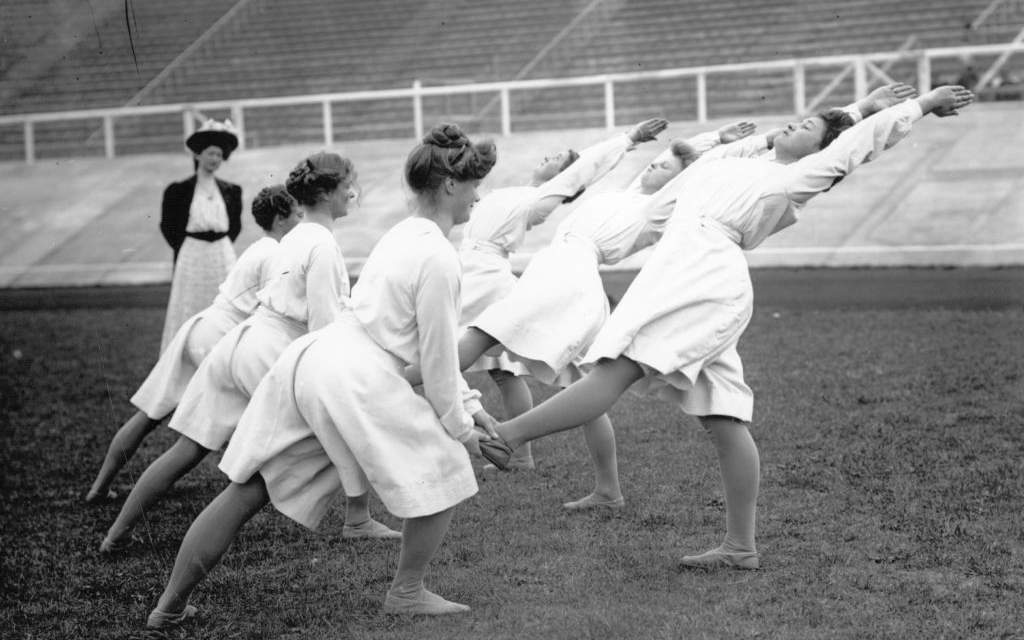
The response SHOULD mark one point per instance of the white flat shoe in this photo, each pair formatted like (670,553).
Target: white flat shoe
(718,559)
(425,603)
(593,502)
(162,620)
(369,529)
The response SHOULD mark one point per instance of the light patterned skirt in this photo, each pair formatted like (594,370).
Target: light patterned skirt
(548,320)
(200,269)
(486,279)
(163,387)
(681,319)
(335,413)
(218,393)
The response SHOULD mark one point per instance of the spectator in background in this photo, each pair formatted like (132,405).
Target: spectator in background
(200,217)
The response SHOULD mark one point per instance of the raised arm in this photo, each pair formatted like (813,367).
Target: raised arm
(861,143)
(593,164)
(713,143)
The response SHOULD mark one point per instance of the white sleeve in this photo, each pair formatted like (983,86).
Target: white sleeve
(593,164)
(860,143)
(743,148)
(704,142)
(326,285)
(437,320)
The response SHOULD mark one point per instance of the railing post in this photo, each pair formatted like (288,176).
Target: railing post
(238,119)
(702,97)
(609,105)
(799,89)
(506,113)
(108,136)
(188,123)
(860,78)
(417,108)
(924,73)
(328,123)
(30,143)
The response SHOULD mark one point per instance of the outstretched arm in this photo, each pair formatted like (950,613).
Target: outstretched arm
(594,163)
(715,143)
(864,141)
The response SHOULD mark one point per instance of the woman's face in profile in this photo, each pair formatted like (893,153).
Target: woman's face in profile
(210,159)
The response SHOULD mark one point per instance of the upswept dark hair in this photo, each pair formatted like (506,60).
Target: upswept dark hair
(571,158)
(446,152)
(836,122)
(271,202)
(317,176)
(684,151)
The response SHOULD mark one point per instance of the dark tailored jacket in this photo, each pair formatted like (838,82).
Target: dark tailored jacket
(177,201)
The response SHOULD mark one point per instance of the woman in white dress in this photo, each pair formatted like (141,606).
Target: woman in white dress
(552,313)
(275,211)
(305,292)
(200,217)
(674,333)
(497,228)
(335,413)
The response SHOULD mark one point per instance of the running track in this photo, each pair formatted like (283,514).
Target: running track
(798,289)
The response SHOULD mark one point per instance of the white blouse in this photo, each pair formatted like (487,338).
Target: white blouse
(251,273)
(309,282)
(207,211)
(407,299)
(750,199)
(501,218)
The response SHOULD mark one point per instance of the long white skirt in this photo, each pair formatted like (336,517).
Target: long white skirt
(553,313)
(200,269)
(681,319)
(486,279)
(214,400)
(336,412)
(163,387)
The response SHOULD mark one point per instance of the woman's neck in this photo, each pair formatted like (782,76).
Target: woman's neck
(321,217)
(441,218)
(202,175)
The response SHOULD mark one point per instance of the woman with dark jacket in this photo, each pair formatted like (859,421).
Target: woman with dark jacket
(200,218)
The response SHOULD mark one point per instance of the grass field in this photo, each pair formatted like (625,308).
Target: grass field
(892,494)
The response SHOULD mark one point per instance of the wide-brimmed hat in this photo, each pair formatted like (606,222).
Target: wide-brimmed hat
(214,134)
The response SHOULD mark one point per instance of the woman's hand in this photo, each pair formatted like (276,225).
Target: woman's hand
(946,101)
(486,423)
(884,97)
(647,130)
(736,131)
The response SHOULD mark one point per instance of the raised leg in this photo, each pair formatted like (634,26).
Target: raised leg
(579,403)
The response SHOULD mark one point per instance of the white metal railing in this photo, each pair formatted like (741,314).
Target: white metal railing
(863,65)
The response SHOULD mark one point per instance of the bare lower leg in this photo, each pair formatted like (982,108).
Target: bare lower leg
(421,537)
(517,400)
(357,509)
(122,447)
(472,345)
(209,537)
(600,437)
(154,481)
(740,466)
(583,401)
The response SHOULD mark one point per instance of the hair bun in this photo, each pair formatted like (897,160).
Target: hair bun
(446,136)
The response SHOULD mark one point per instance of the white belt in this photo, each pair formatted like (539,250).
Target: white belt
(483,246)
(727,231)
